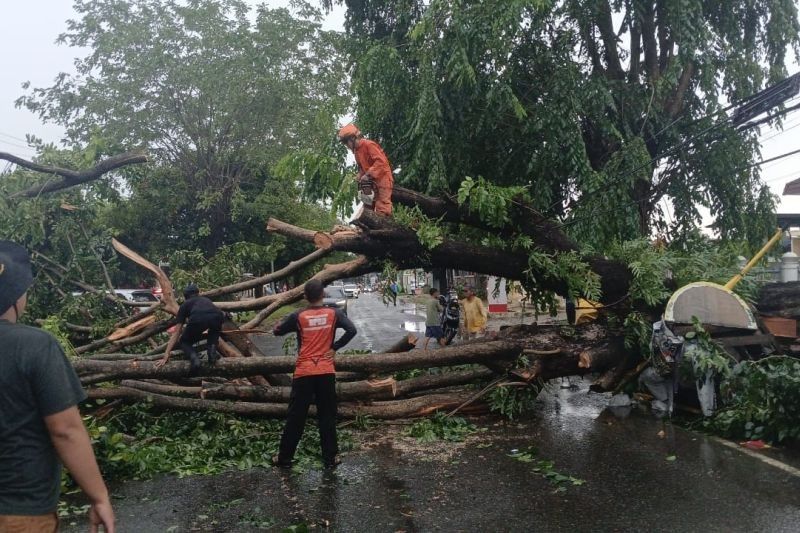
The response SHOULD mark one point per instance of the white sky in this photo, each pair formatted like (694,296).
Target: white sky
(30,54)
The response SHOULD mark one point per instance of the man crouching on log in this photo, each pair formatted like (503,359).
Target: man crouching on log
(200,314)
(314,373)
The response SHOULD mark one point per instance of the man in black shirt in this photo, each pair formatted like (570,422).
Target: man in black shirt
(199,314)
(40,424)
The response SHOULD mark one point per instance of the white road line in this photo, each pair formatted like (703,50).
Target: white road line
(761,457)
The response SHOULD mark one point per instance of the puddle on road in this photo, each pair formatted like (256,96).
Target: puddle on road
(414,327)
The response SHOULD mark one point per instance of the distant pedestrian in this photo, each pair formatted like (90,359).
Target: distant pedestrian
(475,315)
(395,289)
(433,320)
(199,314)
(314,374)
(40,425)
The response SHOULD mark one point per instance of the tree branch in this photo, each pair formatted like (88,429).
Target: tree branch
(71,177)
(675,104)
(606,26)
(649,40)
(293,266)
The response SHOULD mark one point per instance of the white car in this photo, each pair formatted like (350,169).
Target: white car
(351,291)
(131,295)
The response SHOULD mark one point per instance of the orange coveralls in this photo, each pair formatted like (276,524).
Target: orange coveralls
(371,160)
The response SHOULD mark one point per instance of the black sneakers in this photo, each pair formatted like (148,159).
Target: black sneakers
(194,366)
(277,462)
(213,356)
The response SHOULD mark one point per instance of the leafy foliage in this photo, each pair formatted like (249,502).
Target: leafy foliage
(488,200)
(227,266)
(440,427)
(580,103)
(429,232)
(761,401)
(216,93)
(711,357)
(137,443)
(546,469)
(513,402)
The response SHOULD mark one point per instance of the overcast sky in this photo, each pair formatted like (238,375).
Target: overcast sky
(30,54)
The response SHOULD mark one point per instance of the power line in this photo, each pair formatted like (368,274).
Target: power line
(13,137)
(770,160)
(18,145)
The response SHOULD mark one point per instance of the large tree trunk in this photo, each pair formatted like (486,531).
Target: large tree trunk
(412,407)
(494,351)
(780,299)
(382,238)
(380,389)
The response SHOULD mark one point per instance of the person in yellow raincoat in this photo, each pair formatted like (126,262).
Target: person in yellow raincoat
(475,315)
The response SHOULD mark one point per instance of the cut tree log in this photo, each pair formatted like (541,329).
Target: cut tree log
(494,351)
(779,299)
(385,389)
(389,410)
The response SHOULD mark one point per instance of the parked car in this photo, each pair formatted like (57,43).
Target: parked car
(136,295)
(351,290)
(131,295)
(335,297)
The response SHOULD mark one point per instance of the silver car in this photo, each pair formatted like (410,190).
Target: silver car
(335,297)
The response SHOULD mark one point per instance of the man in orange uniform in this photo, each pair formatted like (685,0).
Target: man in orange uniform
(314,373)
(372,165)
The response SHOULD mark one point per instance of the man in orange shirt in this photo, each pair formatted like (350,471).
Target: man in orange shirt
(373,169)
(314,373)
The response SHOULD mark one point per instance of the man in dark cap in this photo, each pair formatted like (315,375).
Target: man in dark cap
(40,425)
(199,314)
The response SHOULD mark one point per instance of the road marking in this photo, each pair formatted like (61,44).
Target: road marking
(763,458)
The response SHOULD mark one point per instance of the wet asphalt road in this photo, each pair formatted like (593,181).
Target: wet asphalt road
(394,484)
(634,479)
(379,326)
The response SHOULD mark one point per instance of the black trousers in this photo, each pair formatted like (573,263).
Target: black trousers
(193,331)
(322,390)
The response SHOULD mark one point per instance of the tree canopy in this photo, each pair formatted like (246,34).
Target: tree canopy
(217,94)
(601,110)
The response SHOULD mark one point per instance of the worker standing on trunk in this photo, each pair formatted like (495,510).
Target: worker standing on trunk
(375,179)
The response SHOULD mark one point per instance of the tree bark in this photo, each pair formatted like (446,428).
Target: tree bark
(382,238)
(385,389)
(71,177)
(289,269)
(413,407)
(493,351)
(779,299)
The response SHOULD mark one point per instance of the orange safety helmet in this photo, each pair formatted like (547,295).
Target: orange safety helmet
(351,130)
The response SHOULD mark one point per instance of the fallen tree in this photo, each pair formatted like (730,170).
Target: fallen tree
(526,355)
(493,351)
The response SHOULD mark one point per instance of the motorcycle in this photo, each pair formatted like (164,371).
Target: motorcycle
(451,315)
